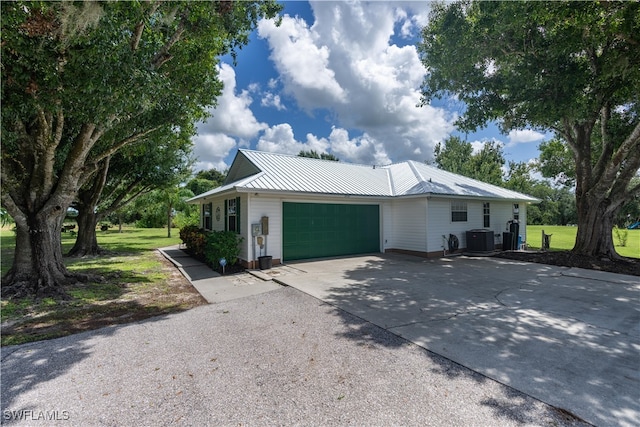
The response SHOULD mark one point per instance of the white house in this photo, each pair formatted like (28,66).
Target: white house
(291,207)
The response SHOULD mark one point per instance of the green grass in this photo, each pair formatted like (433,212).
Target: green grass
(563,238)
(129,242)
(137,285)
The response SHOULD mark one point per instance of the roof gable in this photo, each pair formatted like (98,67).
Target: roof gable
(240,168)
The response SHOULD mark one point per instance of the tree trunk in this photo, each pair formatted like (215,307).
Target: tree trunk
(38,268)
(169,209)
(595,225)
(87,241)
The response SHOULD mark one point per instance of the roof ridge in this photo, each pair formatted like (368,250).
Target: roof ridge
(270,153)
(421,179)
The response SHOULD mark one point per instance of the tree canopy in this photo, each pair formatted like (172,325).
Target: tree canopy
(456,155)
(313,154)
(82,80)
(568,67)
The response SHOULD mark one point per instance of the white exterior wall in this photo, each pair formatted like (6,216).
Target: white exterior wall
(386,222)
(440,221)
(413,224)
(271,206)
(259,206)
(217,224)
(408,225)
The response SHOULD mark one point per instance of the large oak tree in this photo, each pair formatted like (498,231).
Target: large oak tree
(568,67)
(80,81)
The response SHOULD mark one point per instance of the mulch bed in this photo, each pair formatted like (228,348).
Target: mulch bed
(630,266)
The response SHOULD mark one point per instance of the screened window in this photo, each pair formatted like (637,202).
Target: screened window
(458,211)
(486,211)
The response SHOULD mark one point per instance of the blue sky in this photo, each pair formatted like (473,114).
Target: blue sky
(342,78)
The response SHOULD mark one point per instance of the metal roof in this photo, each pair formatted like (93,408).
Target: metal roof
(261,171)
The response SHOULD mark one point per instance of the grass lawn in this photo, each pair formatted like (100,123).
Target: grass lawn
(139,284)
(563,238)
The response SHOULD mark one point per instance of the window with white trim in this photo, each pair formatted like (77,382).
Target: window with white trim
(458,211)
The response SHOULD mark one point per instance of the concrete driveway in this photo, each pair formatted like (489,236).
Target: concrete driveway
(568,337)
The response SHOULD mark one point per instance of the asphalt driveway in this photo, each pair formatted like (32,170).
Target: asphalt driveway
(569,337)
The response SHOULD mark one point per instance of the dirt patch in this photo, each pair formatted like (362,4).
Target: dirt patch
(630,266)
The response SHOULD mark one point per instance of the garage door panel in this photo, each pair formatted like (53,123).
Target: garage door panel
(313,230)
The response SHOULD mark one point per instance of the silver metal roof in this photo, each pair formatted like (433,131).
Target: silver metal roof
(261,171)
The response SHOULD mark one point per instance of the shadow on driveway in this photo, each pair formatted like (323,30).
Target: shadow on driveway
(570,338)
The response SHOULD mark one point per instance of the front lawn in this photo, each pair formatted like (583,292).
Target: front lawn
(140,283)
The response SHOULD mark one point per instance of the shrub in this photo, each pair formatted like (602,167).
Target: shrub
(622,234)
(183,219)
(222,244)
(194,238)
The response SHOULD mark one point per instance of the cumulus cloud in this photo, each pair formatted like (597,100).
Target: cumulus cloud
(302,61)
(272,100)
(231,123)
(347,63)
(363,149)
(524,136)
(280,139)
(347,66)
(211,150)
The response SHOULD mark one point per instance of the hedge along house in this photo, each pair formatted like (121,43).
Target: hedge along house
(292,208)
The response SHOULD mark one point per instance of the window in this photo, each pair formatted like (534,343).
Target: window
(206,216)
(458,211)
(232,214)
(486,211)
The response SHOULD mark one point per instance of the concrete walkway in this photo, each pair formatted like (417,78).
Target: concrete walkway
(211,285)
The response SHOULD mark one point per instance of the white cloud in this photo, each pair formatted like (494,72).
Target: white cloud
(211,150)
(346,62)
(280,139)
(524,136)
(362,150)
(271,100)
(302,62)
(232,123)
(478,145)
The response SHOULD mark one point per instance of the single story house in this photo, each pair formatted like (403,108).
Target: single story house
(290,208)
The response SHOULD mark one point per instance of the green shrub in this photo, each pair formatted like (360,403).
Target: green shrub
(183,219)
(222,244)
(622,234)
(194,238)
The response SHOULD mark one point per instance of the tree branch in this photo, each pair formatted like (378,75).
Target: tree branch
(121,202)
(623,165)
(163,55)
(99,183)
(137,32)
(129,140)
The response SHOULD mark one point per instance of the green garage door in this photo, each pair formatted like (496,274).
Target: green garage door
(314,230)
